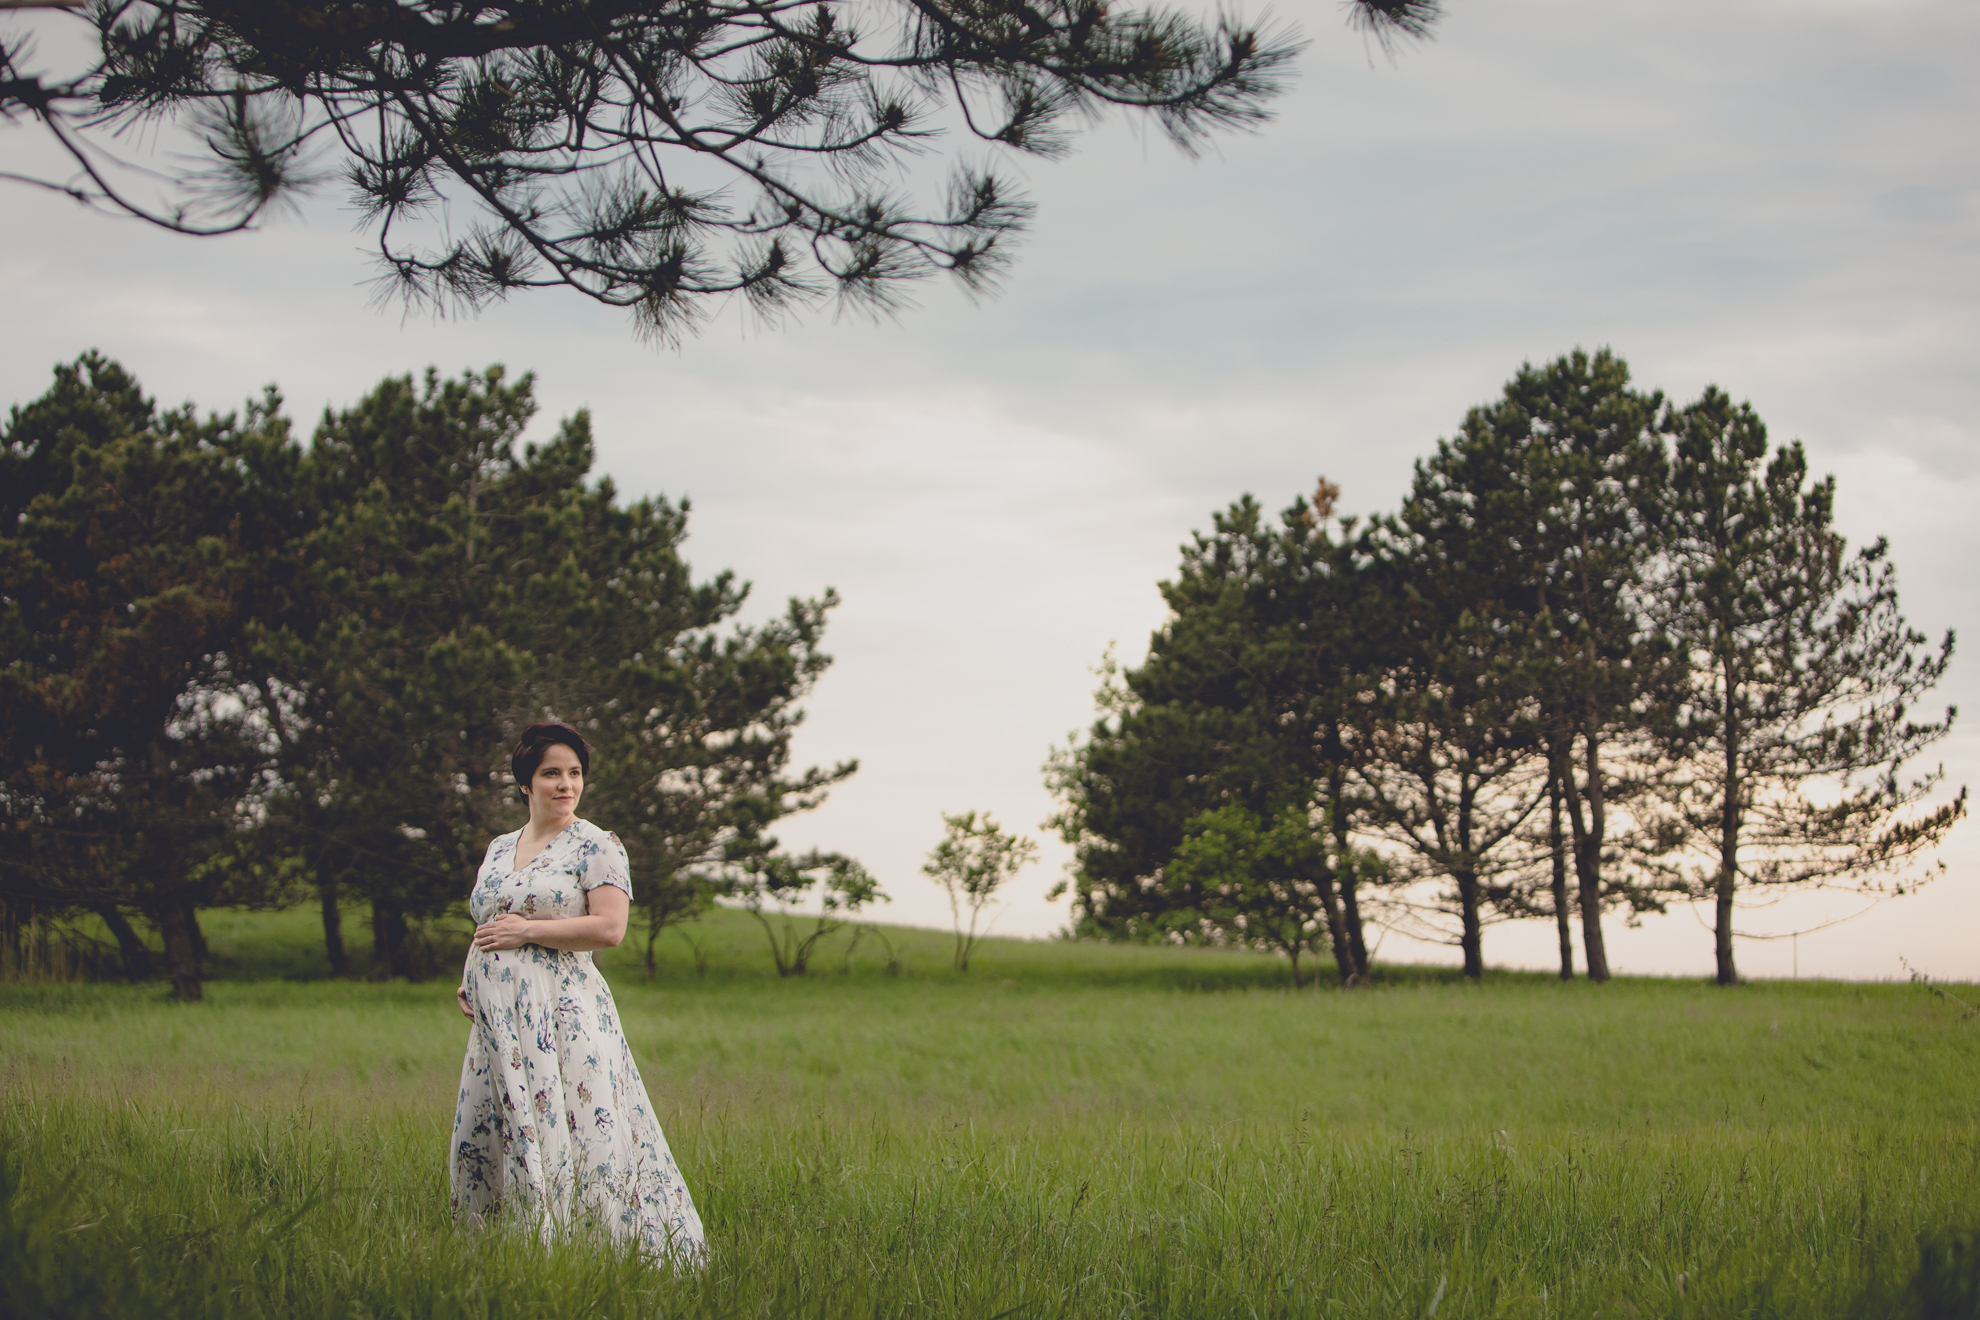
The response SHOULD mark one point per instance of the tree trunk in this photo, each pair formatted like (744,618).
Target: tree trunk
(184,948)
(1587,820)
(1728,846)
(1472,936)
(10,926)
(198,936)
(1330,907)
(333,930)
(1351,916)
(1557,846)
(174,917)
(138,965)
(388,937)
(776,949)
(1350,893)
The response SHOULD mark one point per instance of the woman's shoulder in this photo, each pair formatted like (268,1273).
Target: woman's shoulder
(503,841)
(600,856)
(587,832)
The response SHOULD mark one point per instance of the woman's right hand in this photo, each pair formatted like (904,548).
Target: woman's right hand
(461,1002)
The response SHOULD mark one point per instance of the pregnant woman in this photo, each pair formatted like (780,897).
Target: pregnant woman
(554,1129)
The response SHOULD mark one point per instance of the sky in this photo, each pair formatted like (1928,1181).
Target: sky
(1782,199)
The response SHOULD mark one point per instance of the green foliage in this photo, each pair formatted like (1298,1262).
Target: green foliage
(133,545)
(1244,700)
(433,570)
(1566,653)
(971,863)
(463,587)
(236,668)
(1253,880)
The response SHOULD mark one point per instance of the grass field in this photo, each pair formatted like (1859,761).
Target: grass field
(1068,1130)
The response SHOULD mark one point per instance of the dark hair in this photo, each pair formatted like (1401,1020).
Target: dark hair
(539,738)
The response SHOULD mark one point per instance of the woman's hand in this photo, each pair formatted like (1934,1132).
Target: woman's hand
(507,931)
(601,927)
(461,1002)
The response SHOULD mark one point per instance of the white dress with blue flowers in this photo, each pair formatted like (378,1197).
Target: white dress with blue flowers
(554,1129)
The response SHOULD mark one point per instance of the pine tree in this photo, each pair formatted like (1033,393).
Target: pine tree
(135,546)
(1544,509)
(1803,672)
(1241,703)
(1447,744)
(394,679)
(455,586)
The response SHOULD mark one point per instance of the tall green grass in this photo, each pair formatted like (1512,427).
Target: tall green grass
(1069,1131)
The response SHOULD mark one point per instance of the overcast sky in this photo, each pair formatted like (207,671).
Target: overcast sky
(1779,198)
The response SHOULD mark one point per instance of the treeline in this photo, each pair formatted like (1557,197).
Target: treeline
(236,669)
(1611,652)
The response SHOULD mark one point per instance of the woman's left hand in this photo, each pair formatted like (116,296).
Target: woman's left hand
(507,931)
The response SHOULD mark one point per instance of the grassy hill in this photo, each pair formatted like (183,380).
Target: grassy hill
(1066,1130)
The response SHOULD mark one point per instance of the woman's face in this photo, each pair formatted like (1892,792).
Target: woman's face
(557,785)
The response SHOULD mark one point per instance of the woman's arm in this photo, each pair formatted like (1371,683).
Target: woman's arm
(602,927)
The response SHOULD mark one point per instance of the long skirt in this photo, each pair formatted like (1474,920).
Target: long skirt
(554,1129)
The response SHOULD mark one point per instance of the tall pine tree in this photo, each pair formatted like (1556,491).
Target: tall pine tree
(455,585)
(1803,673)
(1446,740)
(1239,708)
(1543,509)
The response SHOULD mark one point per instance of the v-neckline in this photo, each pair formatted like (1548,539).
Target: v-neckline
(514,869)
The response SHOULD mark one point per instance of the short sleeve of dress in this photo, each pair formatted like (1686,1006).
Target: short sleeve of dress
(605,863)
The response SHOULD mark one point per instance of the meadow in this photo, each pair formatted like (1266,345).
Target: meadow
(1068,1130)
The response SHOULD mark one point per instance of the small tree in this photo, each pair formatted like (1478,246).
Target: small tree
(1254,880)
(971,863)
(771,885)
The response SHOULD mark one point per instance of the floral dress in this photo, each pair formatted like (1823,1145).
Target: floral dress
(553,1126)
